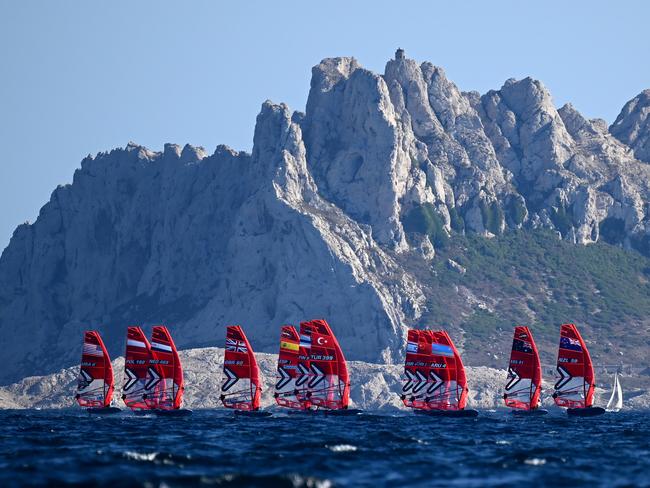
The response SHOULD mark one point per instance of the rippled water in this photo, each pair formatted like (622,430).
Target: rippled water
(216,448)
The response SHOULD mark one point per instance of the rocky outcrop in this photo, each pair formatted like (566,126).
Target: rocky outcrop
(333,214)
(360,153)
(463,172)
(564,166)
(632,126)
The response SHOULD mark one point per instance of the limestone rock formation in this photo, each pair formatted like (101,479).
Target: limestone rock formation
(632,126)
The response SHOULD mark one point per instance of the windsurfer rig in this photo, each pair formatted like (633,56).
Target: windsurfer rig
(312,374)
(434,381)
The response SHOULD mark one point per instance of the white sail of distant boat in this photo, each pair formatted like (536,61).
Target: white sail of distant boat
(615,402)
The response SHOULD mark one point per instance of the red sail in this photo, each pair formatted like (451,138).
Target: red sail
(524,382)
(417,367)
(329,385)
(446,383)
(286,394)
(241,383)
(95,385)
(140,376)
(575,387)
(461,377)
(303,373)
(434,376)
(168,394)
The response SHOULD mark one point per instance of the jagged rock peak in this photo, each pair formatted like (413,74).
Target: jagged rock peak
(172,151)
(330,71)
(222,149)
(355,141)
(271,129)
(632,126)
(278,148)
(192,153)
(141,151)
(576,123)
(526,95)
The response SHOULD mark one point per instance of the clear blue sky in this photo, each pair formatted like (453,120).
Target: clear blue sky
(79,77)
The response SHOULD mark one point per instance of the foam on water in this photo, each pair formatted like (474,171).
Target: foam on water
(535,461)
(342,448)
(140,456)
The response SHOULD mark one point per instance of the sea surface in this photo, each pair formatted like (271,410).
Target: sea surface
(215,448)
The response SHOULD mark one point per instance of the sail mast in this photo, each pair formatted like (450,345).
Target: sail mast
(590,377)
(109,378)
(303,373)
(461,377)
(169,392)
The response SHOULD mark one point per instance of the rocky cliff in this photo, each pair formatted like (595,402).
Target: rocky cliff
(632,126)
(335,213)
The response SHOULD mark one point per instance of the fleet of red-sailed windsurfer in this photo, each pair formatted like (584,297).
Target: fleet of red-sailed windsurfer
(312,374)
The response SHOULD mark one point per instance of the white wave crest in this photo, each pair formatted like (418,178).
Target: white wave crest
(342,448)
(535,461)
(140,456)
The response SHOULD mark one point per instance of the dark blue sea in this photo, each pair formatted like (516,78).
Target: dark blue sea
(214,448)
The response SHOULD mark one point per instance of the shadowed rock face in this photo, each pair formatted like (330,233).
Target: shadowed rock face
(319,220)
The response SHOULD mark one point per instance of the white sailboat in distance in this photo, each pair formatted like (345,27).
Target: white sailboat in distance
(615,402)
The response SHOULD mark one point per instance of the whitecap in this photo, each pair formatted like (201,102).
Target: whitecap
(342,448)
(140,456)
(535,461)
(297,480)
(503,443)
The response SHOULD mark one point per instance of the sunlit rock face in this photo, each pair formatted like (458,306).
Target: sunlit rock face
(322,219)
(632,126)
